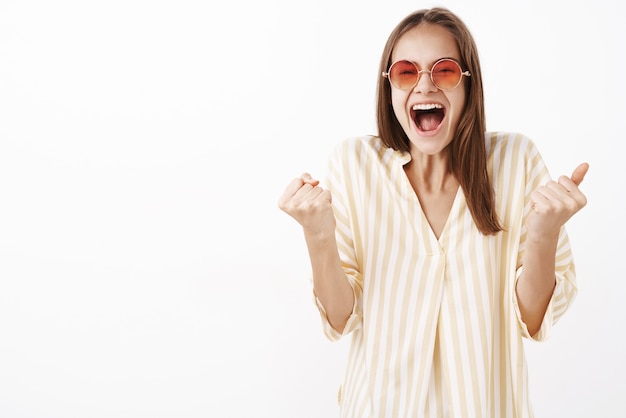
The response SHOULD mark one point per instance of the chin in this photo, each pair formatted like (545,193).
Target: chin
(431,142)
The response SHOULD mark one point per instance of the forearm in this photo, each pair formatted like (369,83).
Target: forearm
(536,283)
(330,283)
(551,206)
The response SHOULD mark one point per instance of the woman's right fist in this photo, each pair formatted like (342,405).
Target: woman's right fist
(309,204)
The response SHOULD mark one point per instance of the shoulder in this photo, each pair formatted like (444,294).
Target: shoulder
(510,146)
(360,144)
(499,140)
(513,155)
(364,148)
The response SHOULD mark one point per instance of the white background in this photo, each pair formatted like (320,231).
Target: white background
(145,269)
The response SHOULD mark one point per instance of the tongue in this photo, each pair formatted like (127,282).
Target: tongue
(429,121)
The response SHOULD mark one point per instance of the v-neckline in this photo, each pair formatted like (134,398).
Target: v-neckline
(436,241)
(445,226)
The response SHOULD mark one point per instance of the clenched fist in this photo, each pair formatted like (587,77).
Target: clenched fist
(555,203)
(310,205)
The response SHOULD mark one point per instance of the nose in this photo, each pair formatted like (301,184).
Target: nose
(424,83)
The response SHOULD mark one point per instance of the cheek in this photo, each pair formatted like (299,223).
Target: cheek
(457,105)
(398,102)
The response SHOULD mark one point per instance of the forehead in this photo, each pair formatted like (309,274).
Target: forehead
(426,43)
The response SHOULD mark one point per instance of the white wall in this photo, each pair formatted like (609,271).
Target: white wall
(145,269)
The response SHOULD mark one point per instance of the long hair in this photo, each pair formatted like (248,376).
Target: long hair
(468,159)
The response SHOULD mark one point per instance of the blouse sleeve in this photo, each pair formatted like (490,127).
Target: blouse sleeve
(565,272)
(344,198)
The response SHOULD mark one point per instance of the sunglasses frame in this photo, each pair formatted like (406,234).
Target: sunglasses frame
(430,74)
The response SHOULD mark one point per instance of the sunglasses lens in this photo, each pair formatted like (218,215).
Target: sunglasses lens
(446,74)
(403,74)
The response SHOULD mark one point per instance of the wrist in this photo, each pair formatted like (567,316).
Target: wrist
(319,237)
(542,240)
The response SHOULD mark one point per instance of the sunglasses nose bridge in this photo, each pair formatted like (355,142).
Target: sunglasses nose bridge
(419,78)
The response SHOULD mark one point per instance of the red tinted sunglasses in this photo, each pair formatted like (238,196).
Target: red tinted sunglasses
(445,74)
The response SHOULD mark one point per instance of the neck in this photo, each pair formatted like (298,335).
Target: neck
(431,172)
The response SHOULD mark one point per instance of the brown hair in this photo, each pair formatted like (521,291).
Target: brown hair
(468,160)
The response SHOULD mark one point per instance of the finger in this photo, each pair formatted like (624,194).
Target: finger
(291,189)
(557,196)
(571,184)
(579,173)
(326,195)
(541,198)
(307,193)
(554,190)
(306,178)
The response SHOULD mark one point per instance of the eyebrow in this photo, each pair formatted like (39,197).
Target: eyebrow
(458,61)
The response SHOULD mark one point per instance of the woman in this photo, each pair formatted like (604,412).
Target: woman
(437,245)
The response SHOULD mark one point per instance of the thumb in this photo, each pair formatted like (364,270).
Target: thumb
(306,178)
(579,173)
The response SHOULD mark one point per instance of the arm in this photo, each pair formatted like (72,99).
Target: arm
(311,207)
(552,205)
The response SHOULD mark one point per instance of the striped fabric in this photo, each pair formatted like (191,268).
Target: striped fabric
(436,330)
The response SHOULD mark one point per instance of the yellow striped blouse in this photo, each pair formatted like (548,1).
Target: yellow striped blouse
(436,330)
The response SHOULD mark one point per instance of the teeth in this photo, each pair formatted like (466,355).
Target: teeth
(427,106)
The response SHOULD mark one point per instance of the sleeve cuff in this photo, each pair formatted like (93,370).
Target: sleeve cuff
(545,329)
(353,323)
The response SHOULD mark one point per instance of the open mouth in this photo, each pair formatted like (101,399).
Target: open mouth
(427,116)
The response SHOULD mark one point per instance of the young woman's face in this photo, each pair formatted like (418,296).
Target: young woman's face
(428,115)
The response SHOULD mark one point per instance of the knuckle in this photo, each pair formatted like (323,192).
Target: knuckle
(583,201)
